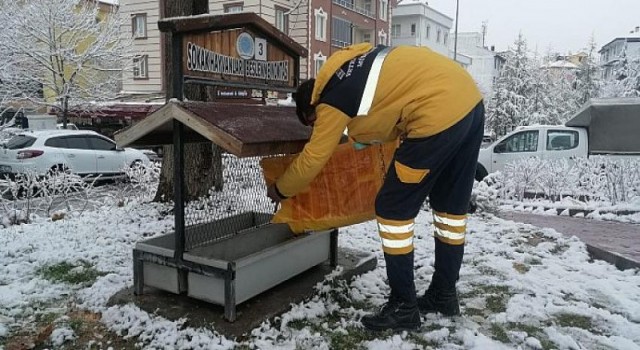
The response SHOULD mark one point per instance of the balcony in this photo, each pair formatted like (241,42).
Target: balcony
(340,43)
(346,33)
(358,7)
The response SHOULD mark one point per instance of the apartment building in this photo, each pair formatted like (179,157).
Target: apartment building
(486,64)
(416,23)
(611,52)
(322,26)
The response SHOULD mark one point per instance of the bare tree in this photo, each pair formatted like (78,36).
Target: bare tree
(203,164)
(62,53)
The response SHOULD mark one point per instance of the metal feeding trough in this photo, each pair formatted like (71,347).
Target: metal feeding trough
(245,262)
(224,250)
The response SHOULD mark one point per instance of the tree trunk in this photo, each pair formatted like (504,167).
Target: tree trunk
(201,175)
(202,161)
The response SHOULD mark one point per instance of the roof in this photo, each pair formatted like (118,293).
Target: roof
(134,111)
(633,38)
(560,64)
(241,129)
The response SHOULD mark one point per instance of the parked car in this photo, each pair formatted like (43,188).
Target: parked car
(81,152)
(152,155)
(70,126)
(607,127)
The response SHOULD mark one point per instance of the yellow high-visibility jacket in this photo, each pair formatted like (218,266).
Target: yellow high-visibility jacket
(419,93)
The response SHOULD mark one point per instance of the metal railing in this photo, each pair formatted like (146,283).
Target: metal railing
(340,43)
(352,6)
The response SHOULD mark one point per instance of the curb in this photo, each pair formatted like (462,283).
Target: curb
(619,261)
(571,211)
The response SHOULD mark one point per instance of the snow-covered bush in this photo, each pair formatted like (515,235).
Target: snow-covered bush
(521,177)
(484,196)
(61,194)
(557,177)
(140,182)
(600,179)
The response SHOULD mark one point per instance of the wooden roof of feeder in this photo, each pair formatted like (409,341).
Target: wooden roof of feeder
(249,20)
(244,130)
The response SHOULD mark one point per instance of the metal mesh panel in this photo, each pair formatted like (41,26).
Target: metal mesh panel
(241,204)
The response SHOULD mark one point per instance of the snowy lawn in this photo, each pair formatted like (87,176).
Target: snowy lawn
(520,287)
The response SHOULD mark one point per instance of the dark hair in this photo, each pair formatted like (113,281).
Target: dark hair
(302,96)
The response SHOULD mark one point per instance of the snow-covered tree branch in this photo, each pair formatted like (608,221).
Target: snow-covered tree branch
(61,53)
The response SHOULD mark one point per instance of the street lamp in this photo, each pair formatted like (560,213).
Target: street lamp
(455,40)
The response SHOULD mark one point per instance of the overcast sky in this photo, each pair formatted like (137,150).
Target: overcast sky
(563,25)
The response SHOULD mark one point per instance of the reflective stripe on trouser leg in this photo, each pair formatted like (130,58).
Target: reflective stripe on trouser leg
(449,228)
(396,235)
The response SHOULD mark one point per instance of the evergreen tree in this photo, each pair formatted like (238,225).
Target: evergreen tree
(626,77)
(588,81)
(512,91)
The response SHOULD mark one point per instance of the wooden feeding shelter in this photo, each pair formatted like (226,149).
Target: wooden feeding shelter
(225,251)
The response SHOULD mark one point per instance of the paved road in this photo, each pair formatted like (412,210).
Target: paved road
(621,239)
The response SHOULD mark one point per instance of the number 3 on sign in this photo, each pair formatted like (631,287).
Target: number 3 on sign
(261,49)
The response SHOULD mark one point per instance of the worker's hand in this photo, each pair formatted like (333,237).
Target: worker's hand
(360,146)
(273,194)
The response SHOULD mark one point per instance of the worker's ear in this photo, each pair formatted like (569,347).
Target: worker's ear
(302,97)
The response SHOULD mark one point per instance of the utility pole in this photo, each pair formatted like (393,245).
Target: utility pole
(484,32)
(455,41)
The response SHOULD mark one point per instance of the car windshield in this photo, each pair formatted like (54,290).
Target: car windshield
(20,141)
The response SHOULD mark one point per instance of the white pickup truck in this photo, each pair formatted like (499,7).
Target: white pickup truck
(608,127)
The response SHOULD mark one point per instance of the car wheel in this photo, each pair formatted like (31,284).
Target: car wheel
(481,172)
(59,169)
(135,165)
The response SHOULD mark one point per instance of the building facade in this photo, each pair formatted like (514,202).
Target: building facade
(611,53)
(415,23)
(485,63)
(321,26)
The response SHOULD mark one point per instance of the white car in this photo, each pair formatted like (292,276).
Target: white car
(81,152)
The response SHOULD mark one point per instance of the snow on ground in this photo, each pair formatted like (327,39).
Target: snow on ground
(521,288)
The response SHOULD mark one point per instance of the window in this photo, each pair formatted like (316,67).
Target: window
(526,141)
(140,67)
(20,141)
(383,9)
(446,38)
(319,60)
(321,25)
(341,34)
(428,33)
(366,37)
(282,19)
(395,31)
(382,37)
(413,29)
(439,35)
(100,144)
(366,4)
(233,8)
(78,142)
(139,25)
(57,142)
(561,140)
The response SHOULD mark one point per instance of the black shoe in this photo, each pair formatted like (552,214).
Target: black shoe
(444,302)
(394,315)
